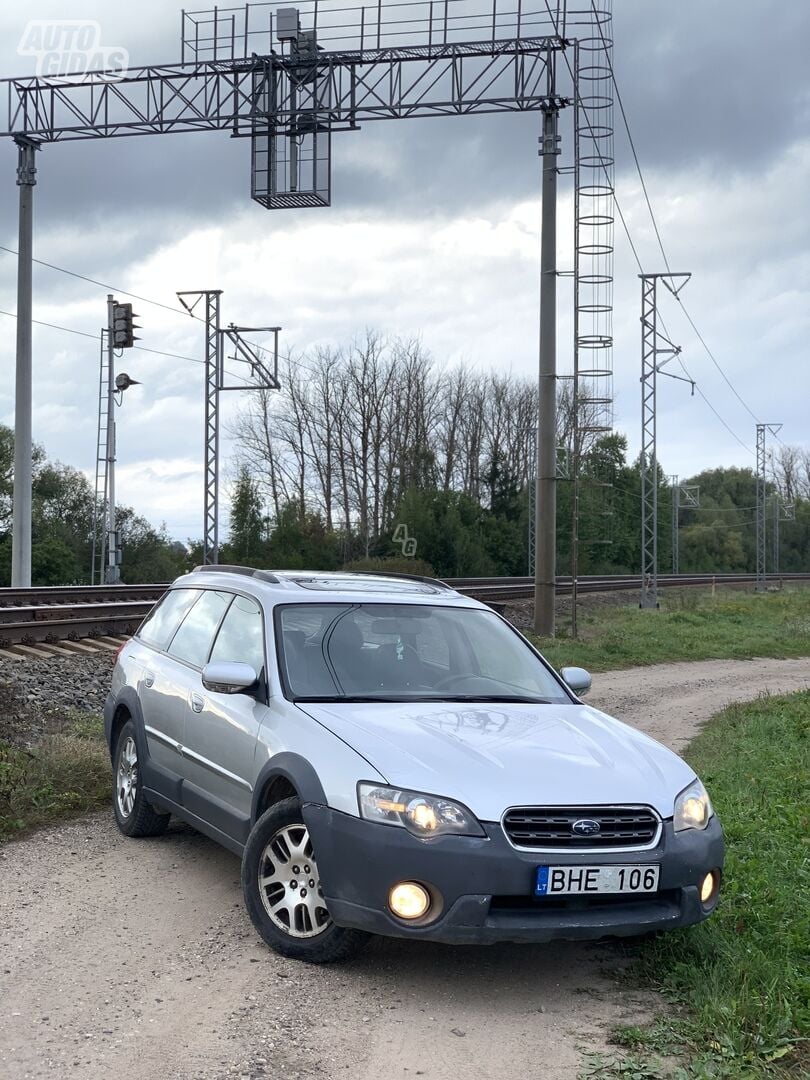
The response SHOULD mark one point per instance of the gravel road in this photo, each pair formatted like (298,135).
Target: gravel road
(137,957)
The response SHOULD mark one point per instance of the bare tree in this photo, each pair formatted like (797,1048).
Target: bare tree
(353,428)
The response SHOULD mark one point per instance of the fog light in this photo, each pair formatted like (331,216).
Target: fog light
(409,900)
(707,887)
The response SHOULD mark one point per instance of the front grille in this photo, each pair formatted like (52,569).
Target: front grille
(550,827)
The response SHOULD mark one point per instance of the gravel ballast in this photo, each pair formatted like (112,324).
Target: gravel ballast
(36,693)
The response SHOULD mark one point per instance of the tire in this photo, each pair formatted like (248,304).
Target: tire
(133,814)
(282,891)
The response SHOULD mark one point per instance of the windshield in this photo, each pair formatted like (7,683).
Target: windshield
(407,652)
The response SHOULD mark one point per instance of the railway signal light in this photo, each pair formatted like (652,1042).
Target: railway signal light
(124,381)
(123,326)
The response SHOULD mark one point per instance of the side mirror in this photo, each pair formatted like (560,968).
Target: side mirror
(227,677)
(576,679)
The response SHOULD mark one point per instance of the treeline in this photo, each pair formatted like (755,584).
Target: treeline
(373,452)
(62,527)
(354,429)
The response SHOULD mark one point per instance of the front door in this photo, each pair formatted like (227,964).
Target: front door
(221,730)
(163,721)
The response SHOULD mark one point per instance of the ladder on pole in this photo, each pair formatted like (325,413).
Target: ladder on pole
(99,543)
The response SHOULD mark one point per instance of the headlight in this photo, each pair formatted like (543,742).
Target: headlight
(692,808)
(422,815)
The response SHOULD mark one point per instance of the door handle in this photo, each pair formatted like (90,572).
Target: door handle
(149,678)
(196,703)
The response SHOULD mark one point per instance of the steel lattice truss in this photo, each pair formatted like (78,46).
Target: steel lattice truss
(342,89)
(287,89)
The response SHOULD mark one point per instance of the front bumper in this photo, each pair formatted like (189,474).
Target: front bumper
(485,885)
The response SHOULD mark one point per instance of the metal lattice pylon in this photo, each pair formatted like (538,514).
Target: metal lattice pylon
(687,495)
(213,368)
(762,484)
(262,378)
(654,345)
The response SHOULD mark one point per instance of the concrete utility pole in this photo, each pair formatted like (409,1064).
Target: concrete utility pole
(546,492)
(23,446)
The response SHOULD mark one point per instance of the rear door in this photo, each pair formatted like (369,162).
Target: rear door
(221,730)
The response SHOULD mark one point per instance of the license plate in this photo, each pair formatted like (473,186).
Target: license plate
(568,880)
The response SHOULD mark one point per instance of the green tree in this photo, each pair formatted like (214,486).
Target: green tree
(148,554)
(246,542)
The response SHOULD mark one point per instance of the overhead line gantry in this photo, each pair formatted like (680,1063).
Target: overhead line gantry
(287,78)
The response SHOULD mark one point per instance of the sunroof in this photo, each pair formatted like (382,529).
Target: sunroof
(344,583)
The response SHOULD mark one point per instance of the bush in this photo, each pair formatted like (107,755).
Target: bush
(66,772)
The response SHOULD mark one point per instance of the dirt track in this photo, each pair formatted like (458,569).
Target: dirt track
(138,959)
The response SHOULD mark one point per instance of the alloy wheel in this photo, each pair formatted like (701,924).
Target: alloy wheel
(126,787)
(290,886)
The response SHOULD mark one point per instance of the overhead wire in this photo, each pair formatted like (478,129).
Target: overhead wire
(620,213)
(95,337)
(105,285)
(184,312)
(654,221)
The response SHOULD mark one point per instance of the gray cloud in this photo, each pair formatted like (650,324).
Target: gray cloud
(717,95)
(725,86)
(722,83)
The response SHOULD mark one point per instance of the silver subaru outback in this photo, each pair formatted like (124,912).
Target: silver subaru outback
(390,757)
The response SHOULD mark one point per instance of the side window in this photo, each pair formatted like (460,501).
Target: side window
(193,640)
(241,636)
(163,620)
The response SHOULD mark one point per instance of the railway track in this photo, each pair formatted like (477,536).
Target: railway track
(47,615)
(518,588)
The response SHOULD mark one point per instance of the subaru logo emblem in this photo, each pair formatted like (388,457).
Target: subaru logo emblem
(586,827)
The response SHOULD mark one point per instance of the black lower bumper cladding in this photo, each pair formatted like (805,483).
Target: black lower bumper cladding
(483,887)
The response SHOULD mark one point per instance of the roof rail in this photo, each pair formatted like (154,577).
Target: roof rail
(403,577)
(248,571)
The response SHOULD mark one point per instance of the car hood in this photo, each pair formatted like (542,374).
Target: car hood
(493,756)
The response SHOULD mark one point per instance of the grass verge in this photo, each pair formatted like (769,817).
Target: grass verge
(66,771)
(691,625)
(742,979)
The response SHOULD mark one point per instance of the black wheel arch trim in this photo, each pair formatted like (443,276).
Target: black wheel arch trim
(127,698)
(294,768)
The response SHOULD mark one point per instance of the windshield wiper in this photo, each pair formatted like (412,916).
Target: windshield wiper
(353,699)
(416,699)
(507,699)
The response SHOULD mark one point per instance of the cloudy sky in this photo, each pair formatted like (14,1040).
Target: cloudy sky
(433,230)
